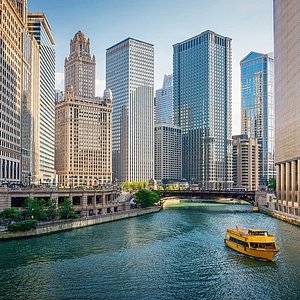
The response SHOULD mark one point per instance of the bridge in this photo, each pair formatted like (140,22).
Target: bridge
(248,196)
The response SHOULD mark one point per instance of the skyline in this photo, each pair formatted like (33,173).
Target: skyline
(162,24)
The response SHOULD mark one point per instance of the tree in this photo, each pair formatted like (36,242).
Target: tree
(272,183)
(51,209)
(172,187)
(146,198)
(66,210)
(126,186)
(36,208)
(11,214)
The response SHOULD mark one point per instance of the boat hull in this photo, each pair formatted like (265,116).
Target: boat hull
(257,253)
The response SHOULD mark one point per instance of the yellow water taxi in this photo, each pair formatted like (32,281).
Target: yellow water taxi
(253,242)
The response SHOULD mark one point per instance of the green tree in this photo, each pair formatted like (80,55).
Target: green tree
(66,210)
(36,208)
(10,214)
(172,187)
(126,186)
(272,183)
(146,198)
(52,211)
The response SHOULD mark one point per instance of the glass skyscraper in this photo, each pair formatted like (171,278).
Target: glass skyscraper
(130,76)
(257,109)
(202,70)
(164,102)
(39,27)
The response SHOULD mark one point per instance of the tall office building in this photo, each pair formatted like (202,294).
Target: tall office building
(202,68)
(257,109)
(12,25)
(83,139)
(80,67)
(164,102)
(39,27)
(29,111)
(83,123)
(130,76)
(167,152)
(287,104)
(245,162)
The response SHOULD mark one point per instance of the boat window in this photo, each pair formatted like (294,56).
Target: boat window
(260,233)
(263,245)
(239,242)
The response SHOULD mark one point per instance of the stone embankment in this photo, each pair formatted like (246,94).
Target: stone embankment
(63,225)
(281,216)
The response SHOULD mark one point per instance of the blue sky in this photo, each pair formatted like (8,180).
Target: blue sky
(162,23)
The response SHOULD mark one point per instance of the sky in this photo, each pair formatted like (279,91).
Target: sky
(162,23)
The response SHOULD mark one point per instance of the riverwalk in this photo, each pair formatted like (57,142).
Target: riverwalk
(295,220)
(63,225)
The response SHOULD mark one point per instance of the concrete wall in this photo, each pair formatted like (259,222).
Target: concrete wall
(281,216)
(72,224)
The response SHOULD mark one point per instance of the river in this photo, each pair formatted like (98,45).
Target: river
(177,253)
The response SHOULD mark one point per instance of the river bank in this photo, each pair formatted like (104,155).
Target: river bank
(294,220)
(63,225)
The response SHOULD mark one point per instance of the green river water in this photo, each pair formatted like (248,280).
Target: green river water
(177,253)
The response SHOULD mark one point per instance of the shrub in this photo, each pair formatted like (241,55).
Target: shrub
(11,214)
(22,226)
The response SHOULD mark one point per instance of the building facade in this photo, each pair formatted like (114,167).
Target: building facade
(39,27)
(130,76)
(164,102)
(245,162)
(202,75)
(167,152)
(30,106)
(287,104)
(12,26)
(83,123)
(80,67)
(257,109)
(83,140)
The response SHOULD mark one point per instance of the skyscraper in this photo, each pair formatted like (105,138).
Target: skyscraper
(245,162)
(39,27)
(12,26)
(80,67)
(83,123)
(29,111)
(130,76)
(164,102)
(83,139)
(202,68)
(287,104)
(167,152)
(258,108)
